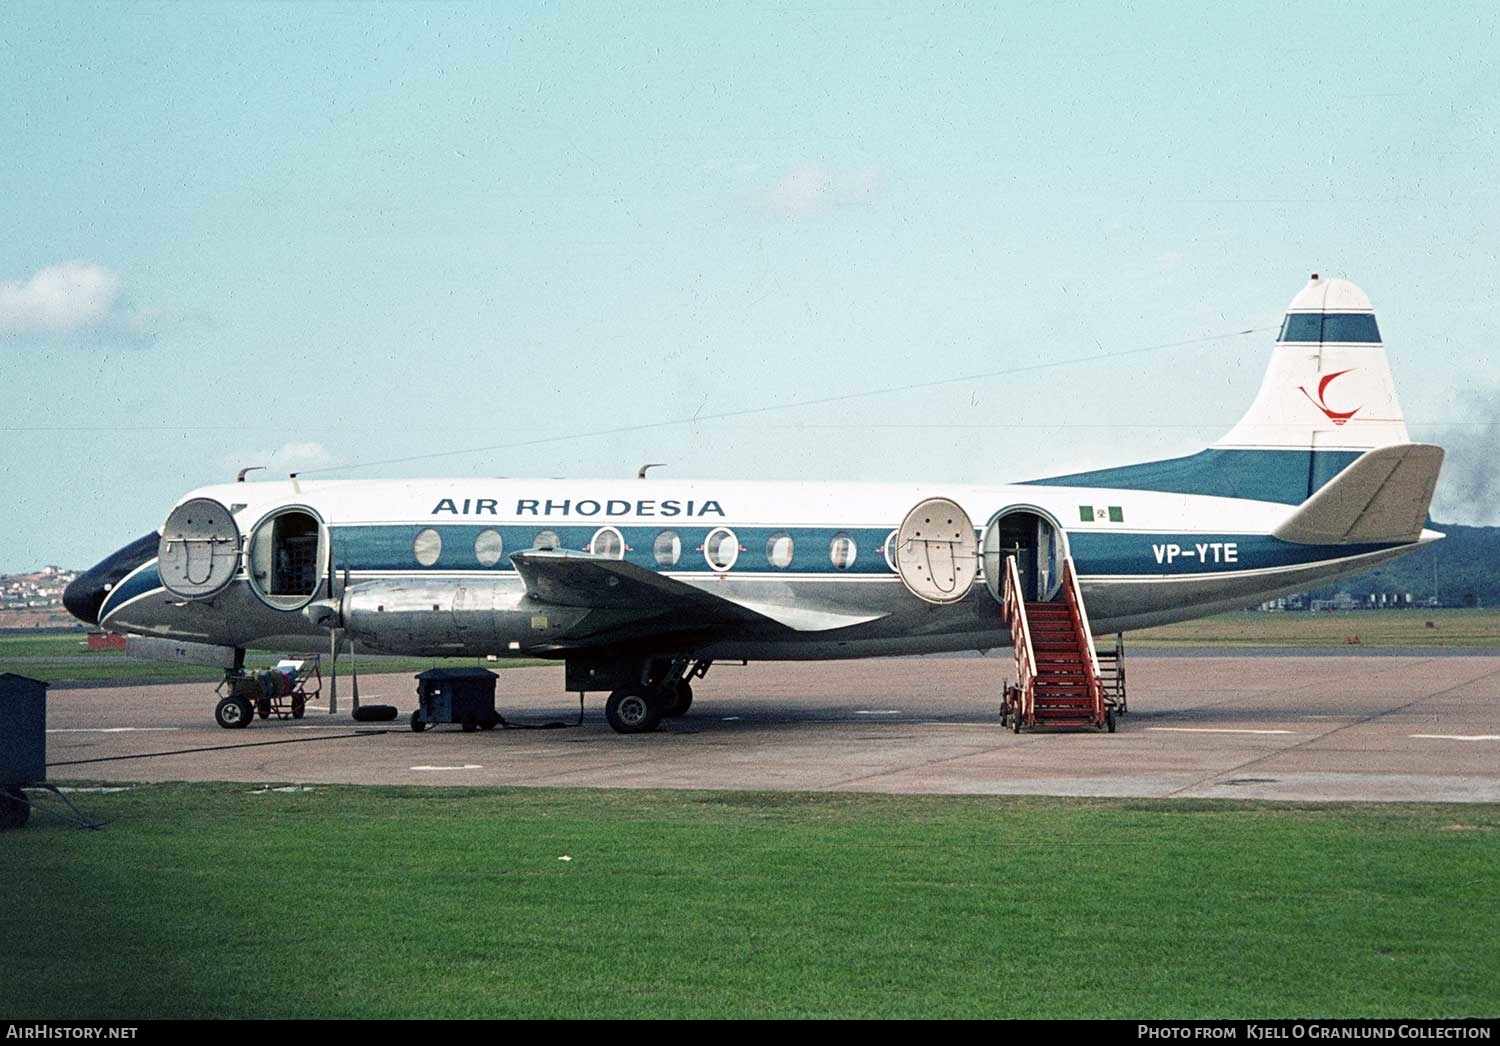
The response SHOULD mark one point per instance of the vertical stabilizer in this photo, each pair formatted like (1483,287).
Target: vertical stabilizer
(1328,386)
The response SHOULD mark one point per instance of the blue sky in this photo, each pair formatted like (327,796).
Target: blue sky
(314,235)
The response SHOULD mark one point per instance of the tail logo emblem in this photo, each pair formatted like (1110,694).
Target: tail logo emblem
(1338,417)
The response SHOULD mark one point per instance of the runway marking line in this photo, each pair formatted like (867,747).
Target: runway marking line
(1214,730)
(112,729)
(1458,737)
(466,766)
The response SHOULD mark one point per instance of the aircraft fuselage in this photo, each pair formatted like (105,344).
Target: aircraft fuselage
(432,559)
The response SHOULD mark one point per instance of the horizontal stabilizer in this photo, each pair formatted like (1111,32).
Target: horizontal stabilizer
(582,579)
(1382,496)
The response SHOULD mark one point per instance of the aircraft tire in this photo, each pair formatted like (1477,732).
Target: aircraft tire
(631,711)
(234,713)
(678,700)
(375,713)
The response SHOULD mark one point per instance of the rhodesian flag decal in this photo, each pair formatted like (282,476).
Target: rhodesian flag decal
(1091,514)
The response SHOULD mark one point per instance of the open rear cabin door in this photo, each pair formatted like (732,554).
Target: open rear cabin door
(1036,541)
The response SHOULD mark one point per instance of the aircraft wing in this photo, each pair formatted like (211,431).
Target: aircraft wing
(580,579)
(1383,496)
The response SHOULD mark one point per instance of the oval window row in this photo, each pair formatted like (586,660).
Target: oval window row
(721,549)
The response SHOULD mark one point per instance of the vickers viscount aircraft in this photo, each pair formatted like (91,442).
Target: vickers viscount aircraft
(639,585)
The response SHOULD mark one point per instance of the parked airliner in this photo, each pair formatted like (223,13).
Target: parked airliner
(639,584)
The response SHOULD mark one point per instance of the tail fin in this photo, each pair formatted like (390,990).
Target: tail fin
(1326,399)
(1328,386)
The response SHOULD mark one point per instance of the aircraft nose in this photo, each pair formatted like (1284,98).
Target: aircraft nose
(85,595)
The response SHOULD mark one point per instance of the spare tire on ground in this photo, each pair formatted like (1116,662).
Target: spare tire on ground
(375,713)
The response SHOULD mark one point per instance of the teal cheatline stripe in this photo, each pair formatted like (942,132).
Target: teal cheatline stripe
(1104,554)
(1286,476)
(142,582)
(389,546)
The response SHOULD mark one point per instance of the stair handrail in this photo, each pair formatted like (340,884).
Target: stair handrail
(1084,634)
(1014,611)
(1120,671)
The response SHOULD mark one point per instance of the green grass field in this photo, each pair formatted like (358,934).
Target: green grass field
(60,658)
(64,659)
(1373,628)
(207,900)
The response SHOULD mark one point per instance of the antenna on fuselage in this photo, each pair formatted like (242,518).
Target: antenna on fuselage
(240,476)
(651,465)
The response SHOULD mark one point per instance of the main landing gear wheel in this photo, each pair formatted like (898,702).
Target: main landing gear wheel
(234,713)
(679,699)
(631,711)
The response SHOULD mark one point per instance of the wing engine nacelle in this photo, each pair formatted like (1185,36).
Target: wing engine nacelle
(455,616)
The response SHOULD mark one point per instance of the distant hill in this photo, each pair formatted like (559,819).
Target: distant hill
(1461,570)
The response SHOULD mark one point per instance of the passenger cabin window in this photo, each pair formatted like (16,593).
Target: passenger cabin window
(667,548)
(488,547)
(285,557)
(547,539)
(779,550)
(608,542)
(427,547)
(721,549)
(841,551)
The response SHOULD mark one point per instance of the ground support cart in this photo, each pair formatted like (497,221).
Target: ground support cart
(456,695)
(282,691)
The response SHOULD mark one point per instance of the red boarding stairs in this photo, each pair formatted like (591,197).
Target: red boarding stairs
(1058,679)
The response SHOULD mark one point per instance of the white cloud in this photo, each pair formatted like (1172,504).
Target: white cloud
(289,457)
(70,297)
(811,189)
